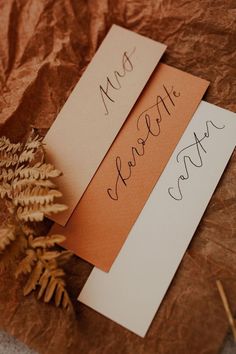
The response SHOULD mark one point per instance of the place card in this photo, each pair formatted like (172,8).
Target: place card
(116,195)
(96,109)
(132,291)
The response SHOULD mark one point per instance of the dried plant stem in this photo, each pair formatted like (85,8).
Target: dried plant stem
(226,307)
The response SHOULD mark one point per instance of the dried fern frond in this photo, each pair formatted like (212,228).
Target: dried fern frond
(26,264)
(29,195)
(52,284)
(36,195)
(26,156)
(34,143)
(46,241)
(6,174)
(49,255)
(45,275)
(39,170)
(30,152)
(8,159)
(5,190)
(64,257)
(6,145)
(33,279)
(7,235)
(27,214)
(19,184)
(37,213)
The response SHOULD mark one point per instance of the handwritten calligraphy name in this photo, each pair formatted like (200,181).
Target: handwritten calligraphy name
(149,121)
(114,83)
(187,159)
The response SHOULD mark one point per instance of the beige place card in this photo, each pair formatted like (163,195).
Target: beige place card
(97,108)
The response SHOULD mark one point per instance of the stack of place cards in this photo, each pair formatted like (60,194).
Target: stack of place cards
(135,202)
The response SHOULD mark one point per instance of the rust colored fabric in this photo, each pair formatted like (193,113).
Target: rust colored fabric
(44,48)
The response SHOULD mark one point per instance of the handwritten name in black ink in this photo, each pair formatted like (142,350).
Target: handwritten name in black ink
(149,123)
(186,157)
(114,83)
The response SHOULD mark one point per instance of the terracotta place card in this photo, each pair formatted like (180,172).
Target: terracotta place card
(132,291)
(116,195)
(96,109)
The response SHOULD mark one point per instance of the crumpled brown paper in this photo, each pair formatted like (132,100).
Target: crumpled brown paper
(44,47)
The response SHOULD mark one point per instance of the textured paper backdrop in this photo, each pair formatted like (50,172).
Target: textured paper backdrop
(44,47)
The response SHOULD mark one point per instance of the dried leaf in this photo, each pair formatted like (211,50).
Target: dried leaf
(8,159)
(50,289)
(27,156)
(25,266)
(29,214)
(63,257)
(53,208)
(34,278)
(36,213)
(36,195)
(66,303)
(51,284)
(39,170)
(5,190)
(59,295)
(49,255)
(7,235)
(6,145)
(47,241)
(6,174)
(34,143)
(43,282)
(19,184)
(56,286)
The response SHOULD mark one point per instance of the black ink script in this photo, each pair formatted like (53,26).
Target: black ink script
(113,83)
(185,156)
(148,126)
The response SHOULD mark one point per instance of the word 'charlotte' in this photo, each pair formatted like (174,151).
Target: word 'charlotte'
(149,121)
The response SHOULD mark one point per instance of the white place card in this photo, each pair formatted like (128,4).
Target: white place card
(132,291)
